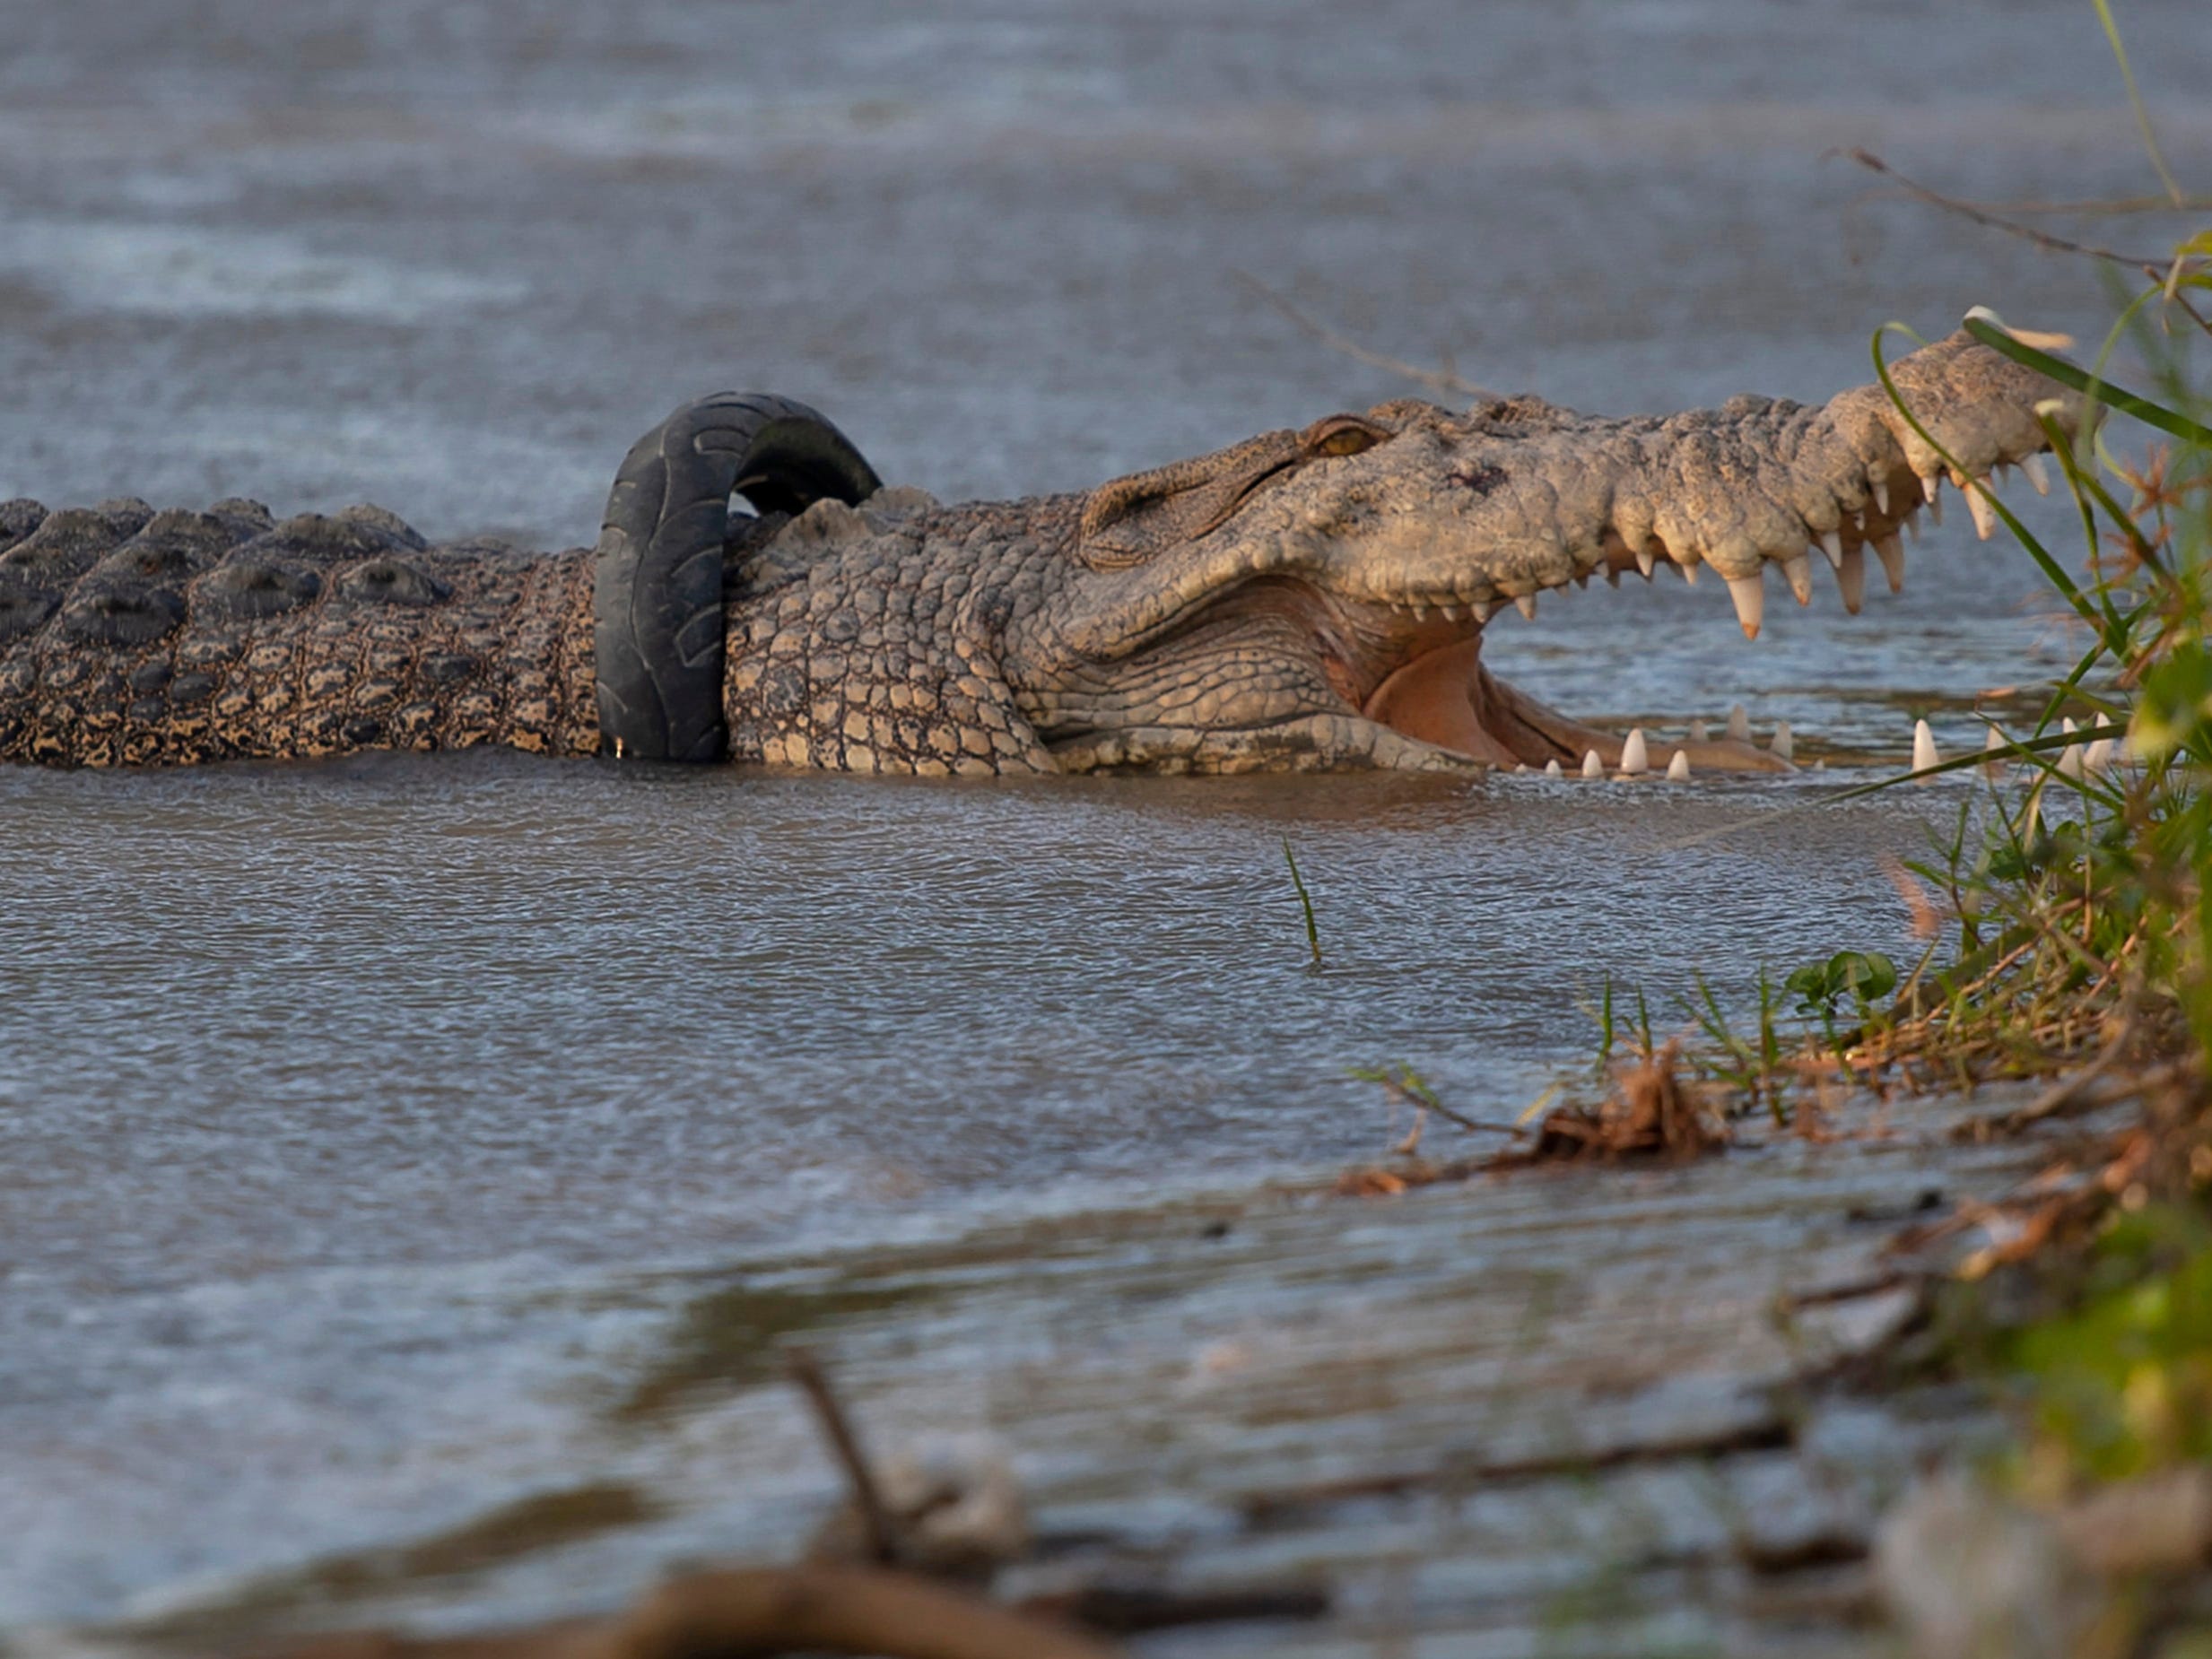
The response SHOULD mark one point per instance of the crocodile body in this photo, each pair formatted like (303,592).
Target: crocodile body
(1304,600)
(129,636)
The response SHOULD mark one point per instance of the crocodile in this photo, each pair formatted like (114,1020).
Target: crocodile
(1308,599)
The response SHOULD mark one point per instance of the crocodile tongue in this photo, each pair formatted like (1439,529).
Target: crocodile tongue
(1445,696)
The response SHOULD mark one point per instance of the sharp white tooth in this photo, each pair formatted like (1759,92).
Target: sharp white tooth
(2098,756)
(1798,571)
(1739,725)
(1912,525)
(1935,510)
(1421,614)
(1689,575)
(1452,612)
(1526,605)
(1831,544)
(1750,596)
(1519,767)
(1993,744)
(1635,757)
(1784,745)
(1929,485)
(1592,766)
(1485,609)
(1985,515)
(1645,562)
(1881,496)
(2067,726)
(1850,577)
(2038,474)
(1890,550)
(1678,767)
(1924,753)
(1699,730)
(1552,769)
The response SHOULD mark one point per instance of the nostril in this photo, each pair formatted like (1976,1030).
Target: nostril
(1479,476)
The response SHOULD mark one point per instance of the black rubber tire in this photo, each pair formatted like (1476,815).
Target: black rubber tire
(656,578)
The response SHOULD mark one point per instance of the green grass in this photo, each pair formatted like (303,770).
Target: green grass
(2066,933)
(2064,911)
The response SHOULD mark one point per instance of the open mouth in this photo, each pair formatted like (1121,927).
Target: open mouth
(1416,666)
(1439,692)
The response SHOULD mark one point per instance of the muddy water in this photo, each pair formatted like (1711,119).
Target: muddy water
(369,1128)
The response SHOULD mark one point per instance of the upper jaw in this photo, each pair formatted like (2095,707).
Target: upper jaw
(1520,496)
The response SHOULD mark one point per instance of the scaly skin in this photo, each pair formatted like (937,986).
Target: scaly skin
(1304,600)
(131,637)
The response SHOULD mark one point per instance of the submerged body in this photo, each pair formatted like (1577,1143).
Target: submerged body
(1305,600)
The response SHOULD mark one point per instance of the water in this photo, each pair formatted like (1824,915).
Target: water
(355,1116)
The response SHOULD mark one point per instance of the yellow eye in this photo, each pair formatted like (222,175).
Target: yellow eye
(1341,435)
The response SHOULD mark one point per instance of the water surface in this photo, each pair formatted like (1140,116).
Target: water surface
(357,1117)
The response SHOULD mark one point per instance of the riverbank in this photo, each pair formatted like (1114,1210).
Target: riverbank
(1576,1408)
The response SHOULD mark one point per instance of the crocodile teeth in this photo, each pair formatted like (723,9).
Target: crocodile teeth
(1850,577)
(1635,758)
(1739,725)
(1881,496)
(2037,473)
(1678,767)
(1784,745)
(1592,766)
(2098,756)
(1526,605)
(2070,762)
(1985,515)
(1890,550)
(1798,571)
(1645,562)
(1994,743)
(1750,596)
(1699,730)
(1485,609)
(1929,485)
(1421,614)
(1924,753)
(1831,544)
(1453,612)
(1552,769)
(1689,575)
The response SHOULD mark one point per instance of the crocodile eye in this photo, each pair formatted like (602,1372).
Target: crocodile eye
(1341,435)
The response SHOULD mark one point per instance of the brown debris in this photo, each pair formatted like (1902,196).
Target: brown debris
(1652,1113)
(738,1613)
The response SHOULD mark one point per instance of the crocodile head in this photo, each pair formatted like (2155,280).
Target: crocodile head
(1317,598)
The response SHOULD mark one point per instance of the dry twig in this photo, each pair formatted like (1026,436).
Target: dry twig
(755,1612)
(1437,379)
(883,1532)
